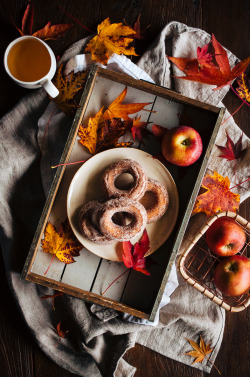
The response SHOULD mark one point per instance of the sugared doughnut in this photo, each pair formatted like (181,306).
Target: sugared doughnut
(160,202)
(137,217)
(87,226)
(120,167)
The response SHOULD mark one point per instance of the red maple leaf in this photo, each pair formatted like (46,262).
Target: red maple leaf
(138,129)
(27,21)
(48,32)
(219,73)
(133,255)
(232,151)
(137,28)
(139,34)
(204,57)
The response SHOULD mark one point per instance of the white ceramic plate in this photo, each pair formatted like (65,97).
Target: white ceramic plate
(85,186)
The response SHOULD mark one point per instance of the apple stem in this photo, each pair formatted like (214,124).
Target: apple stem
(124,272)
(240,183)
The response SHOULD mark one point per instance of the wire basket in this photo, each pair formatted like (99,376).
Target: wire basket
(197,265)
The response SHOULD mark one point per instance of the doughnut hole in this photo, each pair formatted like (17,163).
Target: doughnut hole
(122,218)
(149,200)
(124,181)
(155,200)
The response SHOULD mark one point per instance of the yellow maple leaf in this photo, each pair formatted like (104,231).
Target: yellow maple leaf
(119,110)
(102,134)
(62,243)
(88,135)
(243,89)
(111,38)
(68,86)
(218,196)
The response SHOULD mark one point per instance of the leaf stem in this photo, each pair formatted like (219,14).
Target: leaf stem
(115,281)
(49,265)
(240,183)
(214,366)
(69,163)
(235,170)
(76,20)
(233,113)
(239,96)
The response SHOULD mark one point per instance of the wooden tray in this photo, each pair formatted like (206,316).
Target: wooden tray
(197,265)
(133,293)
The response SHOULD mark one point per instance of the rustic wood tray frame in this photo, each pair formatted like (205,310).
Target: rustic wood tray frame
(150,88)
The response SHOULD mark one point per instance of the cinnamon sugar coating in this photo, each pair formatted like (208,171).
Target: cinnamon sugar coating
(161,200)
(120,167)
(87,226)
(137,215)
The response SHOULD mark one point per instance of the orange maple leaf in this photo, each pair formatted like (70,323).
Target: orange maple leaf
(62,243)
(48,32)
(102,134)
(105,128)
(119,110)
(68,86)
(61,330)
(200,351)
(52,31)
(218,196)
(219,74)
(111,38)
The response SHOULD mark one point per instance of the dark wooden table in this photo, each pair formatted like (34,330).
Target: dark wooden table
(229,20)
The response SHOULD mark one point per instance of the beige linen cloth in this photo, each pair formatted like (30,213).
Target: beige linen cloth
(95,347)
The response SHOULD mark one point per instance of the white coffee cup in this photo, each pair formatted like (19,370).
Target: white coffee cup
(45,81)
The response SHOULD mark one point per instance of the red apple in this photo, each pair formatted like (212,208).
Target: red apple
(181,146)
(232,275)
(225,237)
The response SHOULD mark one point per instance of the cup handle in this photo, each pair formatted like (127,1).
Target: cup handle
(50,88)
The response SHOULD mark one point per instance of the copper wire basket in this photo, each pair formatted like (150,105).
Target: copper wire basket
(197,265)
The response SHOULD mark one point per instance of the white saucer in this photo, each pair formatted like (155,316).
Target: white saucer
(85,186)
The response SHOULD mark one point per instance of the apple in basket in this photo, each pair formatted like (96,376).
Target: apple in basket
(181,145)
(232,275)
(225,237)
